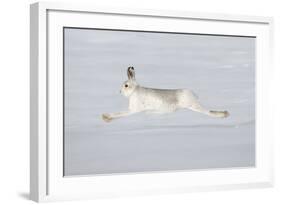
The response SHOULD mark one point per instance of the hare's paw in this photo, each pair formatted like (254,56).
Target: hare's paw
(226,114)
(106,117)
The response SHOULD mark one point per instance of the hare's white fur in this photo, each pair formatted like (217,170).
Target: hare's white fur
(151,100)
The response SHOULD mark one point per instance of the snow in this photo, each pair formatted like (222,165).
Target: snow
(219,69)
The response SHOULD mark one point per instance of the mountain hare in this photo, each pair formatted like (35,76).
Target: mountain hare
(153,100)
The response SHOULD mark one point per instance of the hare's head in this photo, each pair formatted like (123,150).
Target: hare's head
(129,86)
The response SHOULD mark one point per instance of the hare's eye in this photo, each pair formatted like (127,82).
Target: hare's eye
(126,85)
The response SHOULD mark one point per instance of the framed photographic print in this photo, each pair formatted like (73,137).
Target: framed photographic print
(131,102)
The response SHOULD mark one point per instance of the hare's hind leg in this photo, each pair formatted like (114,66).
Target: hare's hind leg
(198,108)
(111,116)
(187,99)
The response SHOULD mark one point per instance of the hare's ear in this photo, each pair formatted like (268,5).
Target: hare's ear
(131,73)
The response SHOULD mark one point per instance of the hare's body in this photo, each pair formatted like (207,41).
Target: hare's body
(151,100)
(160,100)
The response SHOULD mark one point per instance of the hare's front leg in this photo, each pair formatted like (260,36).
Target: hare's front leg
(111,116)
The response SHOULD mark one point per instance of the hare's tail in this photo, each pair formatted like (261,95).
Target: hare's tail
(221,114)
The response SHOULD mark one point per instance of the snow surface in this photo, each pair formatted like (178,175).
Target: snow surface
(219,69)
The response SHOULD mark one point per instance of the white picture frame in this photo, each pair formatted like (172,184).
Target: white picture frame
(46,175)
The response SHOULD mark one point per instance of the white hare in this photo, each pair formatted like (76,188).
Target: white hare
(151,100)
